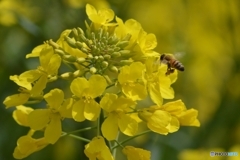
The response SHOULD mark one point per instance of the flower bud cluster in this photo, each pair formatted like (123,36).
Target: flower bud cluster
(104,51)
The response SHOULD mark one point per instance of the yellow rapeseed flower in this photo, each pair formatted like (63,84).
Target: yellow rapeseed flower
(168,118)
(158,84)
(97,149)
(86,107)
(157,120)
(101,17)
(51,117)
(130,79)
(49,64)
(186,117)
(22,97)
(116,109)
(27,145)
(20,115)
(133,153)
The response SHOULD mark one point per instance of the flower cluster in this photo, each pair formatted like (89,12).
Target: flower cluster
(113,67)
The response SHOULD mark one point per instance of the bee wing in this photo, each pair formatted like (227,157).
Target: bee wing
(179,55)
(164,61)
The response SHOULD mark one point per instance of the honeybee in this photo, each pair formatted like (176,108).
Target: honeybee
(172,63)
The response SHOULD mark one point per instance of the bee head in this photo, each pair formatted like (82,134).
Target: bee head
(162,57)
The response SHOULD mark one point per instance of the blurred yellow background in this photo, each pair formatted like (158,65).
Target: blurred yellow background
(206,33)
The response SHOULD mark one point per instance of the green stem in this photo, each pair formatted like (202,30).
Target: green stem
(121,143)
(79,138)
(81,130)
(99,124)
(32,102)
(116,141)
(70,134)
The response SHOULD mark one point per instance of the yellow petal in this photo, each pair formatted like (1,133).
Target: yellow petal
(110,122)
(107,101)
(159,121)
(26,145)
(16,99)
(54,129)
(54,98)
(151,41)
(78,110)
(155,93)
(36,51)
(167,92)
(66,109)
(124,72)
(188,118)
(174,125)
(20,115)
(45,56)
(175,107)
(39,118)
(133,153)
(92,110)
(97,149)
(40,85)
(136,71)
(78,86)
(72,51)
(21,82)
(54,64)
(135,91)
(97,85)
(90,10)
(29,76)
(127,125)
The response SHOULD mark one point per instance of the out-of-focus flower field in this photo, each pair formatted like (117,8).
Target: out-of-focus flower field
(206,35)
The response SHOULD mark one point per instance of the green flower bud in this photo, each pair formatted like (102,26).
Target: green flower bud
(75,34)
(116,54)
(52,78)
(96,57)
(122,44)
(69,58)
(99,33)
(70,42)
(60,52)
(110,50)
(93,70)
(67,75)
(104,64)
(113,69)
(80,60)
(80,31)
(125,62)
(79,45)
(83,38)
(77,73)
(113,39)
(89,56)
(53,44)
(93,36)
(84,50)
(107,57)
(125,52)
(109,81)
(100,58)
(117,48)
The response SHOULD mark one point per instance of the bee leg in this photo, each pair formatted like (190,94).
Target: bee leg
(169,71)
